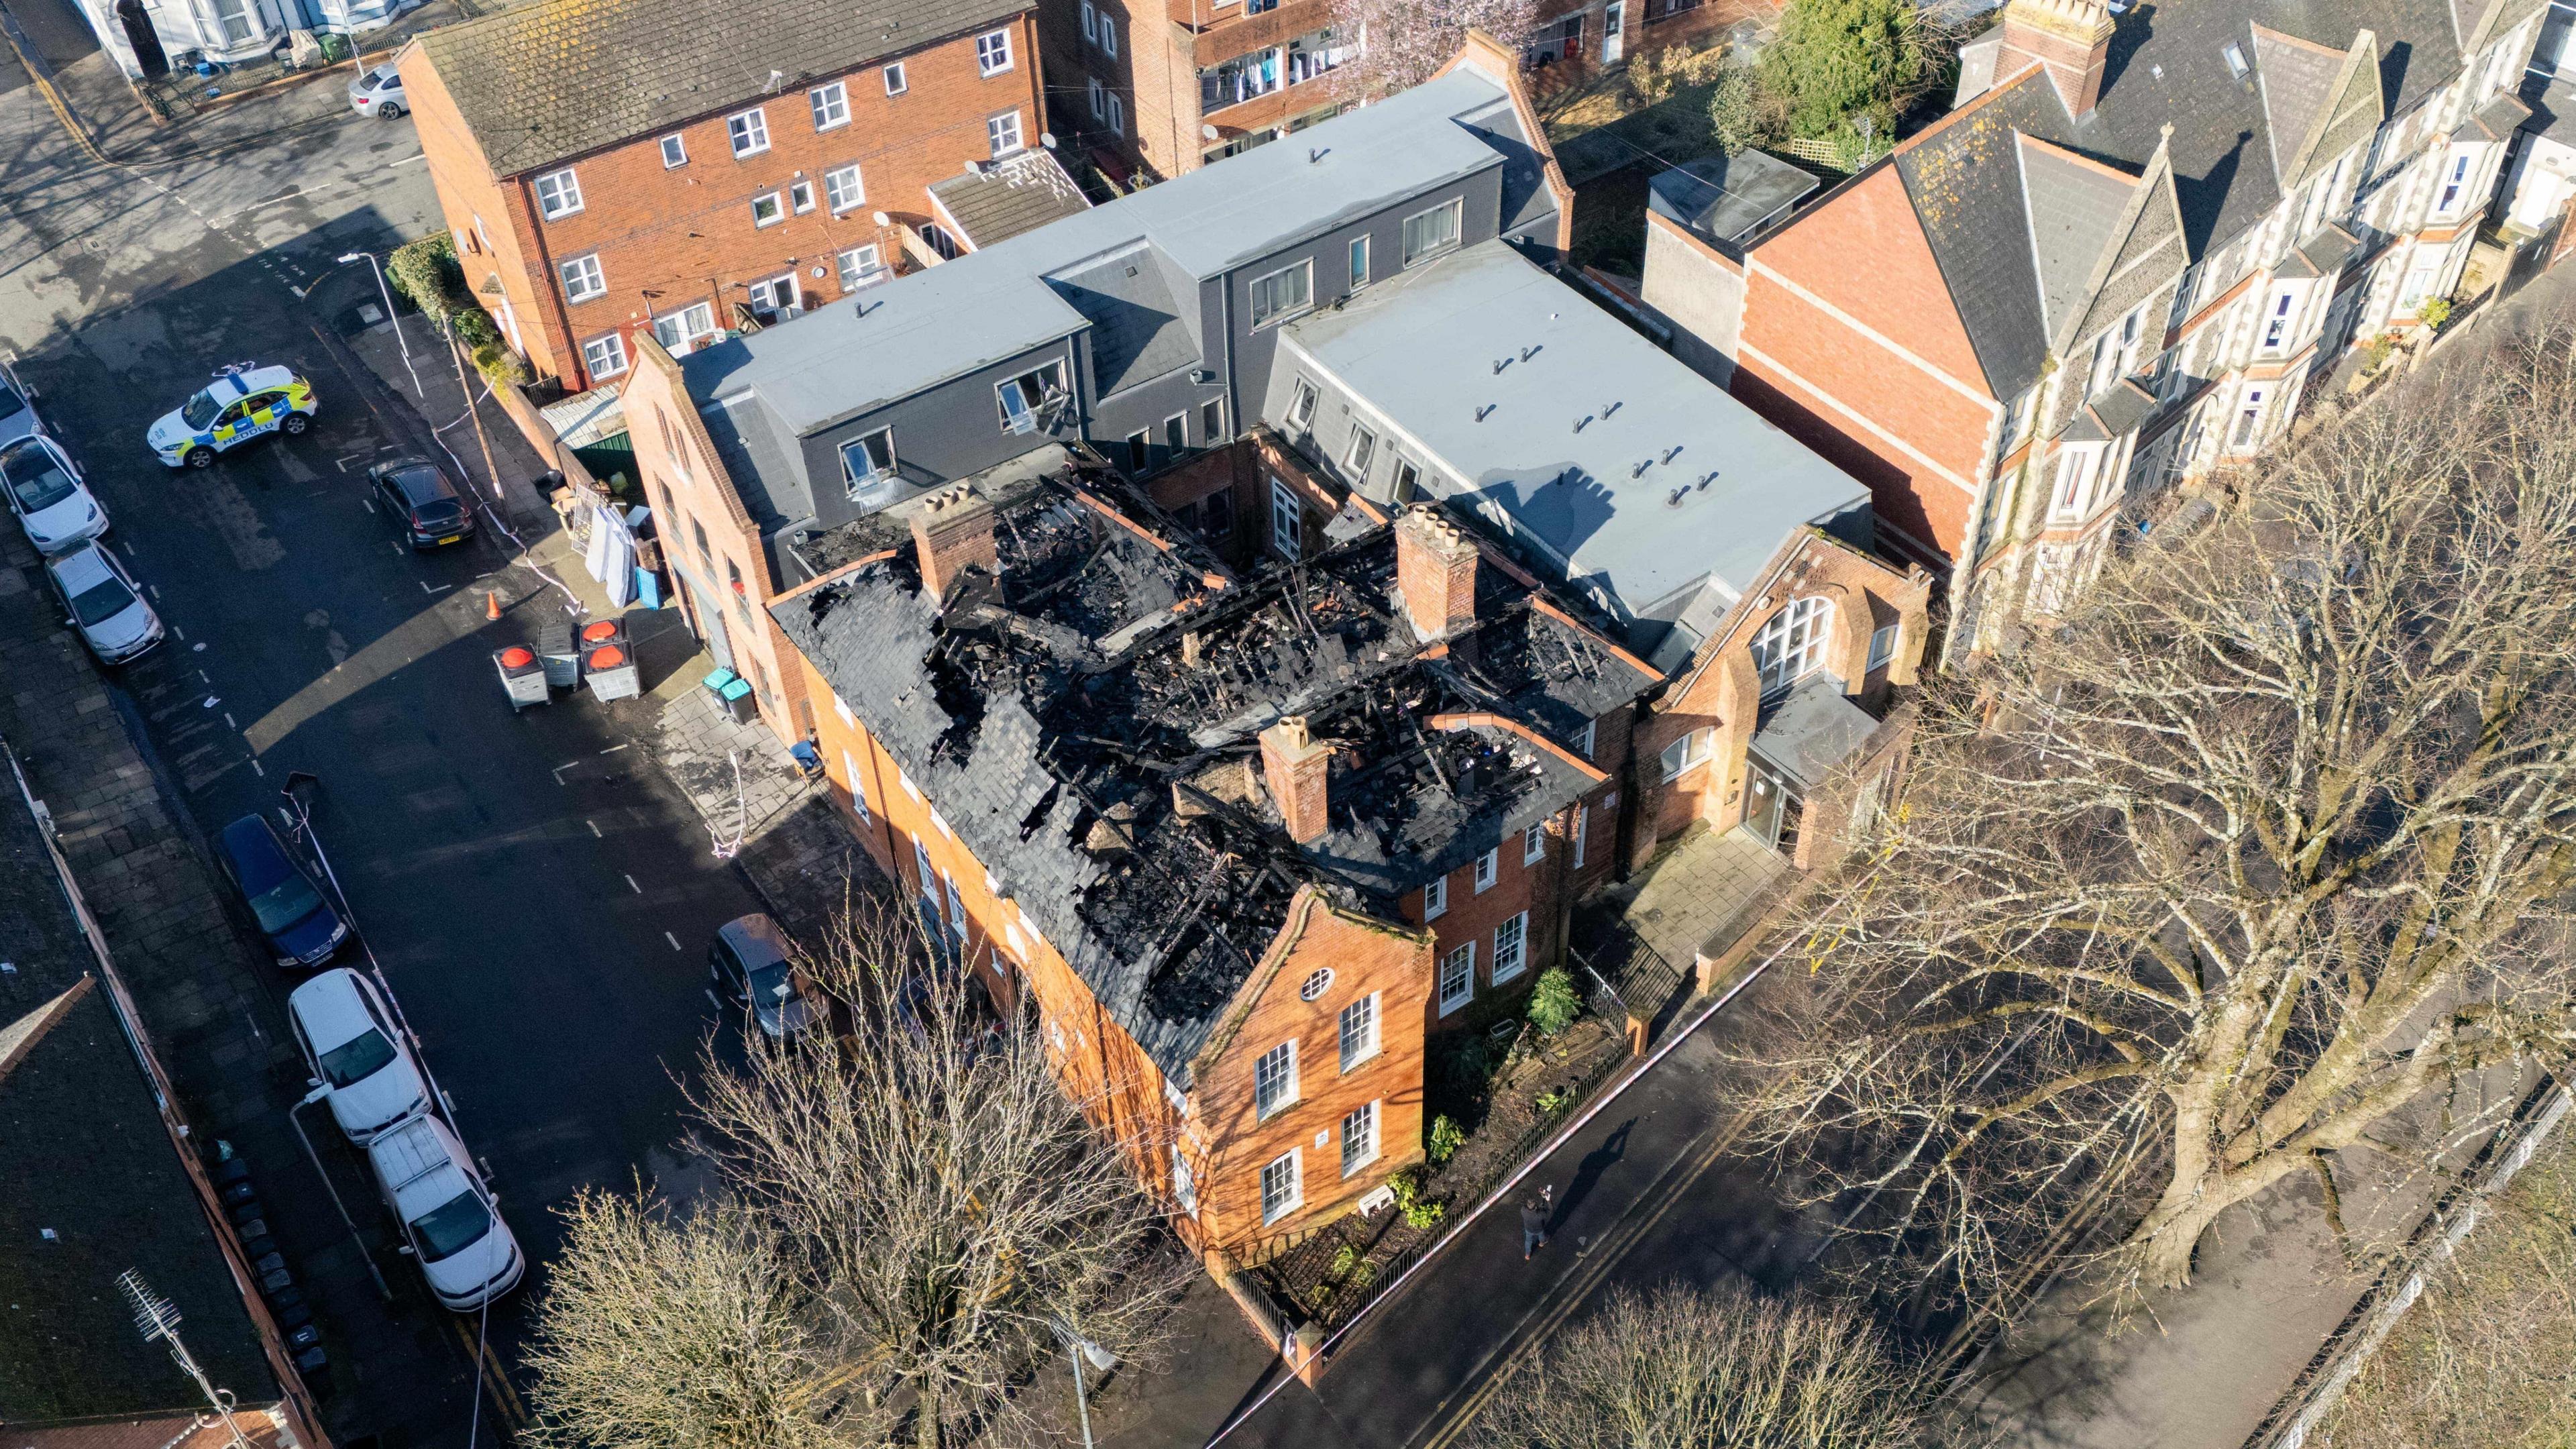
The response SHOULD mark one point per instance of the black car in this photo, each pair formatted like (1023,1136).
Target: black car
(302,928)
(430,510)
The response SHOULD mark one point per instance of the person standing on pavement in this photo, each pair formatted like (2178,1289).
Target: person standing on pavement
(1534,1214)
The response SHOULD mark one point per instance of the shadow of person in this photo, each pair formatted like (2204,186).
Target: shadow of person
(1587,1173)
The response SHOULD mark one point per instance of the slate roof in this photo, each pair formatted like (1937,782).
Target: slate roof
(85,1156)
(1422,350)
(2074,205)
(545,82)
(1049,715)
(998,200)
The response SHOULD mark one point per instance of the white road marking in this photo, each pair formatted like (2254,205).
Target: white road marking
(397,543)
(594,829)
(342,462)
(201,674)
(154,590)
(674,940)
(183,635)
(612,749)
(255,769)
(434,592)
(632,886)
(559,769)
(367,503)
(407,160)
(228,721)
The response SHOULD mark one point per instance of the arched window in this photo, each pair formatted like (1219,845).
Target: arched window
(1792,643)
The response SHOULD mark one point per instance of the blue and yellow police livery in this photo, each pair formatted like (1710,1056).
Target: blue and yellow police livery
(240,404)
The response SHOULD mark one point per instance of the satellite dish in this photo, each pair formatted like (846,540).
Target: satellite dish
(880,218)
(1047,139)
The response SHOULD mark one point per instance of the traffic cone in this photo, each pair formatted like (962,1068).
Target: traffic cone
(491,605)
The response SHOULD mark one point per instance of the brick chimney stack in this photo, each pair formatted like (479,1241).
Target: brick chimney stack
(2072,38)
(953,531)
(1296,769)
(1435,571)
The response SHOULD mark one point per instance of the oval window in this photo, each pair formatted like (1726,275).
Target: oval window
(1316,984)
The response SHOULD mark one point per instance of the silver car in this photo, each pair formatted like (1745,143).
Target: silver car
(377,92)
(17,408)
(103,603)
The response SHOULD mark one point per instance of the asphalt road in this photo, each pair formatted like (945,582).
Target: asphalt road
(537,895)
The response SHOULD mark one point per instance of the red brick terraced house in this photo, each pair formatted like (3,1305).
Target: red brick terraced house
(2123,260)
(614,168)
(1162,88)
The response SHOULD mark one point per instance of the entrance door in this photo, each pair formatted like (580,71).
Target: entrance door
(711,619)
(148,55)
(1772,807)
(1613,34)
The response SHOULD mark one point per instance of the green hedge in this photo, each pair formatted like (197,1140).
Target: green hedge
(426,272)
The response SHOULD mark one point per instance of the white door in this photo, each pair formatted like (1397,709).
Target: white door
(1613,33)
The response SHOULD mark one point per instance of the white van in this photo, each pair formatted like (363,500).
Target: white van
(451,1222)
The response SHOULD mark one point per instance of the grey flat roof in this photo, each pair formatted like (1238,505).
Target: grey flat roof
(1727,198)
(1421,350)
(929,326)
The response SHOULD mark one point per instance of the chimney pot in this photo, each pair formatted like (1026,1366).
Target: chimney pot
(1435,572)
(2070,38)
(1298,771)
(952,531)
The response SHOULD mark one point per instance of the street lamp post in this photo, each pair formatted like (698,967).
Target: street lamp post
(1078,1348)
(390,314)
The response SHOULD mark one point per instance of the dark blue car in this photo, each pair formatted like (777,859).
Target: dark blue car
(301,927)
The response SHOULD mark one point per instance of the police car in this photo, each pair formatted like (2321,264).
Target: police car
(240,404)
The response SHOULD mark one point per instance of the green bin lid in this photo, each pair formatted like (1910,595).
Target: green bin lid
(736,690)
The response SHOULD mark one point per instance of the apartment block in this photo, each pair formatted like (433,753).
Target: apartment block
(689,171)
(2118,264)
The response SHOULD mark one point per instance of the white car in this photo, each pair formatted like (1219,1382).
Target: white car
(377,92)
(450,1220)
(357,1056)
(17,408)
(45,490)
(102,602)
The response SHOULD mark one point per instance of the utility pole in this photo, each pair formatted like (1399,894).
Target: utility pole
(158,1318)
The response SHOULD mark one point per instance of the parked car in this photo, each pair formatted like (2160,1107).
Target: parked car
(239,405)
(357,1055)
(418,496)
(378,93)
(101,600)
(302,928)
(45,490)
(748,963)
(451,1221)
(18,417)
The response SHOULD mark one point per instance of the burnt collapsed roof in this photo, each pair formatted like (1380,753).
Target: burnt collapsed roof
(1085,719)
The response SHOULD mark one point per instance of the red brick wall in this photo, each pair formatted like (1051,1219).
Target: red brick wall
(1846,312)
(686,233)
(468,191)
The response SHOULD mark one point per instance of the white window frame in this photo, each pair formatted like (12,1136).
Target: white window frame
(1584,742)
(1458,971)
(1117,115)
(1099,108)
(800,196)
(1534,843)
(2247,430)
(859,266)
(593,277)
(1511,948)
(830,105)
(993,53)
(1882,645)
(1435,898)
(1359,258)
(1359,1130)
(614,345)
(1002,134)
(2075,482)
(1792,642)
(1688,753)
(558,194)
(896,83)
(2458,184)
(1489,869)
(680,337)
(1108,35)
(1287,522)
(858,791)
(1274,1081)
(675,152)
(1290,1193)
(1090,23)
(1361,452)
(1012,399)
(1301,404)
(1361,1038)
(860,483)
(775,203)
(748,132)
(846,188)
(1303,271)
(1582,830)
(1456,209)
(1185,1187)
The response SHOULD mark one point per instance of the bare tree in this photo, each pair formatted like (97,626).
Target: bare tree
(2255,859)
(677,1332)
(943,1215)
(1402,43)
(1683,1368)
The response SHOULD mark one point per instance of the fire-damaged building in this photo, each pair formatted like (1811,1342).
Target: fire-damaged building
(1240,844)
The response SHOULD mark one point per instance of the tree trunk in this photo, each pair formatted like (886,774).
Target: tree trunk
(2165,1238)
(925,1426)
